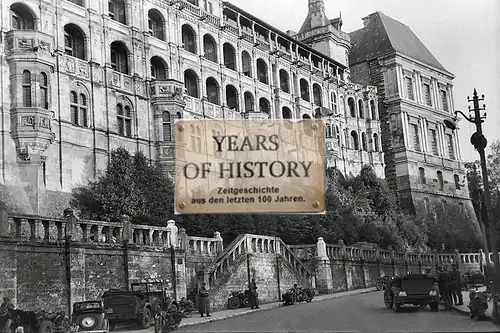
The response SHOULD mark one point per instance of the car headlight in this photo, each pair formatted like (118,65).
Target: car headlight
(432,293)
(402,293)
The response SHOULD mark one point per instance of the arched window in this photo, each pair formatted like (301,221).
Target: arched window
(328,131)
(363,141)
(286,113)
(232,98)
(249,102)
(212,91)
(210,48)
(79,108)
(333,102)
(306,124)
(361,109)
(246,63)
(21,17)
(124,119)
(27,89)
(188,39)
(229,56)
(264,106)
(262,71)
(116,10)
(375,142)
(44,91)
(158,68)
(74,41)
(155,24)
(304,90)
(352,107)
(317,113)
(354,140)
(167,126)
(317,95)
(373,111)
(191,83)
(119,57)
(284,81)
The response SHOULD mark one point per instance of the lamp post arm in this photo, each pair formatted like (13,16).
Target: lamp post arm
(469,119)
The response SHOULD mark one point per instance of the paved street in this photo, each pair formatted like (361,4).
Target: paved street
(359,313)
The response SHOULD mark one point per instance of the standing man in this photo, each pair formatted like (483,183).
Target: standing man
(444,281)
(457,286)
(252,294)
(203,305)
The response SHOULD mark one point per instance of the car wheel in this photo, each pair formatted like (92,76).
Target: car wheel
(145,321)
(234,303)
(88,323)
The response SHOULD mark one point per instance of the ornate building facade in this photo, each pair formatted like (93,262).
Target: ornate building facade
(80,78)
(415,95)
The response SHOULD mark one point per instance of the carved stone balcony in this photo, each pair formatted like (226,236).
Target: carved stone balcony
(28,43)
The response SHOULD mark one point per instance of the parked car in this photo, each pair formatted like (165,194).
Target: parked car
(89,317)
(412,289)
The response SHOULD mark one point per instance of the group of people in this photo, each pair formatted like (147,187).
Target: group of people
(204,305)
(450,286)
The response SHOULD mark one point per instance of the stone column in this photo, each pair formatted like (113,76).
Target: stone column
(71,224)
(324,279)
(173,232)
(219,242)
(128,235)
(182,239)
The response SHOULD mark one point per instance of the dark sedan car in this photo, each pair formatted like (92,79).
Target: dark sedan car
(89,317)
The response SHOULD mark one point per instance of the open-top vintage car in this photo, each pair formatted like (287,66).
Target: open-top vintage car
(412,289)
(89,317)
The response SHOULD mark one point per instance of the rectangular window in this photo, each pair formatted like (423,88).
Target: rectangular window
(210,8)
(416,137)
(409,88)
(427,95)
(422,175)
(451,149)
(433,138)
(440,180)
(444,100)
(74,114)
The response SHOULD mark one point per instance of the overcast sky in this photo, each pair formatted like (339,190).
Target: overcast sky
(463,35)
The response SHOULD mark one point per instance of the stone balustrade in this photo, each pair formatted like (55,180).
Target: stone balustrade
(204,245)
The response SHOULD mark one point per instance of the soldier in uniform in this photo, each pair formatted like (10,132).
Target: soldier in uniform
(457,285)
(203,305)
(252,294)
(444,282)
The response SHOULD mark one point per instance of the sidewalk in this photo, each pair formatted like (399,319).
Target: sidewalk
(465,310)
(225,314)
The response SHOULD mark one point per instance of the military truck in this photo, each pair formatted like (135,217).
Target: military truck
(136,305)
(411,289)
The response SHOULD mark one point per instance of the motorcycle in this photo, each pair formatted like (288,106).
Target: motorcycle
(477,305)
(296,296)
(186,307)
(382,282)
(238,299)
(169,319)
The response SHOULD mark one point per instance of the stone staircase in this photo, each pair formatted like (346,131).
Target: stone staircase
(274,266)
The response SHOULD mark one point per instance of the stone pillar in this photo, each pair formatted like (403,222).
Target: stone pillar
(71,224)
(172,232)
(219,242)
(4,224)
(324,279)
(128,235)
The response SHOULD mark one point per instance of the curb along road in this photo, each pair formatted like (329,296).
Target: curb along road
(270,306)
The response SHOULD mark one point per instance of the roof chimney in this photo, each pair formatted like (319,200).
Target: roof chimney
(317,13)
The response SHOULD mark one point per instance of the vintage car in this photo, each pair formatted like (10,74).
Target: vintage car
(411,289)
(138,305)
(89,317)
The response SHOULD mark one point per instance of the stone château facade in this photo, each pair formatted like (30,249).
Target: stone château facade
(80,78)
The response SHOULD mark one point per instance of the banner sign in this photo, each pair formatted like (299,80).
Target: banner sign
(249,166)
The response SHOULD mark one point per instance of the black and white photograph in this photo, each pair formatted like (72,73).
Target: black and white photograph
(249,166)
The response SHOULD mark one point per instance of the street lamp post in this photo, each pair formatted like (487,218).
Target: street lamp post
(479,142)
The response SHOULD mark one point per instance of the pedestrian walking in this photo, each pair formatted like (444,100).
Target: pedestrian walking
(457,285)
(253,295)
(203,305)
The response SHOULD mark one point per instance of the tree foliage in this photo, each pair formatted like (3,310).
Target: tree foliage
(359,209)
